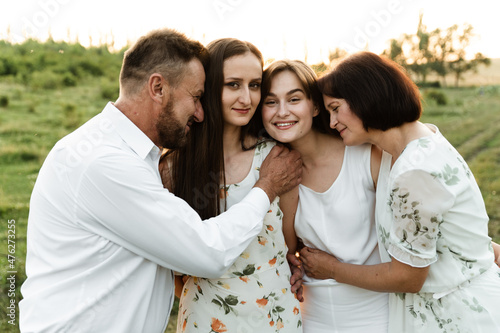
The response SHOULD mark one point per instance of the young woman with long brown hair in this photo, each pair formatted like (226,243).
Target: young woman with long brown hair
(226,152)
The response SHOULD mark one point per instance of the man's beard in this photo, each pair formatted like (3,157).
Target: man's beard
(171,132)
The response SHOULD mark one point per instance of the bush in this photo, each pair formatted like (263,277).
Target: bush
(46,80)
(4,101)
(109,90)
(69,80)
(71,116)
(429,84)
(438,96)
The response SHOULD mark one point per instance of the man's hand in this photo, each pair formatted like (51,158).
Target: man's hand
(297,275)
(280,172)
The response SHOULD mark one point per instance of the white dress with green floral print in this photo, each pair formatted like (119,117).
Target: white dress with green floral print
(254,294)
(430,212)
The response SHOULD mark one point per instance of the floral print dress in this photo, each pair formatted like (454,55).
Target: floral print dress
(254,294)
(430,212)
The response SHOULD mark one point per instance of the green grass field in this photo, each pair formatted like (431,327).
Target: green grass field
(33,120)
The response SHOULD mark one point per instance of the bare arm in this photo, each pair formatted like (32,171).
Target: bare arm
(496,250)
(288,205)
(393,276)
(179,285)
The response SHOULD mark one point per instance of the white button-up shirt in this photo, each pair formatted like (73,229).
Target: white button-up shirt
(104,236)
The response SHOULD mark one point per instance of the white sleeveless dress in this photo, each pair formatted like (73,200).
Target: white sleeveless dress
(341,221)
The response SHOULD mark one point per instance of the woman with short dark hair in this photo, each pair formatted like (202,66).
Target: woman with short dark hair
(431,217)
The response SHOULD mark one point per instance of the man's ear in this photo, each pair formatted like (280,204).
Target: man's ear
(157,88)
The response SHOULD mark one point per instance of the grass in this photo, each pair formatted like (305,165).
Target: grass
(33,121)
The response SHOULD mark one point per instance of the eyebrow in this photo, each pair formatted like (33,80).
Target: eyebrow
(291,92)
(240,79)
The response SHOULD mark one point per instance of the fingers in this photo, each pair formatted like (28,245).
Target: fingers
(300,294)
(276,151)
(292,259)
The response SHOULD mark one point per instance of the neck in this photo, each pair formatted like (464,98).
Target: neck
(395,140)
(140,113)
(311,147)
(231,140)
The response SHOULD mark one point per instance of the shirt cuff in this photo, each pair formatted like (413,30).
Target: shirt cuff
(258,197)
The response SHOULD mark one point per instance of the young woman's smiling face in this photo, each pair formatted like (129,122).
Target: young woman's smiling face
(287,112)
(241,90)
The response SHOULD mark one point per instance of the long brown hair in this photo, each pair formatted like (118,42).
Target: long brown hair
(198,168)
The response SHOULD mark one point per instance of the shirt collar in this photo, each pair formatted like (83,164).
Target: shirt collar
(129,132)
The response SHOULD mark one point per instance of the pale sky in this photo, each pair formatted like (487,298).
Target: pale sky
(279,28)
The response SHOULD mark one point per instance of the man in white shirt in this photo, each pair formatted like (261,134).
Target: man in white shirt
(104,236)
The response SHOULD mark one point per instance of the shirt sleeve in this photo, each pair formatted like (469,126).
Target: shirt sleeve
(136,212)
(418,202)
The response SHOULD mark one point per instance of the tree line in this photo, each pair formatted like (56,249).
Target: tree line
(52,65)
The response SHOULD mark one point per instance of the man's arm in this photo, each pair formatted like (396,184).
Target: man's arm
(143,217)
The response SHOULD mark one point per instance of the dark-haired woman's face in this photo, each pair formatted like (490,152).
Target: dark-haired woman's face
(346,122)
(241,89)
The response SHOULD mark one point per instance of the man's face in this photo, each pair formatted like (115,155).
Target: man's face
(183,107)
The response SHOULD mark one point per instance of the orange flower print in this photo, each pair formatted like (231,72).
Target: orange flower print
(218,326)
(244,279)
(271,323)
(269,227)
(243,302)
(262,240)
(223,193)
(295,310)
(272,262)
(261,302)
(184,324)
(279,324)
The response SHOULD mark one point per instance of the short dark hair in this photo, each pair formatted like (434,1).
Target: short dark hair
(377,90)
(163,51)
(308,79)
